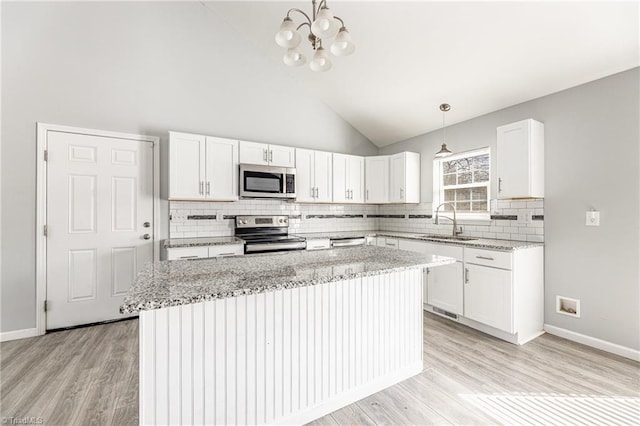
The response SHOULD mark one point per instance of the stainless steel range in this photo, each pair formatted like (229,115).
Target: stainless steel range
(267,234)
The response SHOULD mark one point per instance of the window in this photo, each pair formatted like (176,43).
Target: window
(463,181)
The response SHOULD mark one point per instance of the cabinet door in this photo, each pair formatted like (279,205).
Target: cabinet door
(520,159)
(413,245)
(282,156)
(221,169)
(323,176)
(226,250)
(254,153)
(488,296)
(397,176)
(340,178)
(186,166)
(444,287)
(305,186)
(185,253)
(355,180)
(377,179)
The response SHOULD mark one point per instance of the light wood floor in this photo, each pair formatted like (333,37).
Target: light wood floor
(89,376)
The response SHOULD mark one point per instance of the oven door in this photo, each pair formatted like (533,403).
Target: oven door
(263,182)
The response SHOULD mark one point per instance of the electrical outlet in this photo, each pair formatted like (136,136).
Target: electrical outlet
(179,216)
(593,218)
(219,216)
(525,217)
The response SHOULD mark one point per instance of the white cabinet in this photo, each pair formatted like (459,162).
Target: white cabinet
(377,179)
(488,293)
(314,176)
(319,244)
(520,159)
(348,178)
(443,285)
(203,252)
(202,168)
(404,178)
(267,154)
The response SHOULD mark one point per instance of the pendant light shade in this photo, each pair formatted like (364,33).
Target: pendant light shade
(444,151)
(294,58)
(325,25)
(343,45)
(320,61)
(288,36)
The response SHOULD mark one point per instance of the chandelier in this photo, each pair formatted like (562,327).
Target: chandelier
(323,25)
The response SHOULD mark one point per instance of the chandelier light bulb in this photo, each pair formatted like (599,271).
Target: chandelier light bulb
(288,36)
(294,58)
(325,25)
(343,44)
(320,61)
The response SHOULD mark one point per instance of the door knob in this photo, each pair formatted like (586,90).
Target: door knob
(146,224)
(146,236)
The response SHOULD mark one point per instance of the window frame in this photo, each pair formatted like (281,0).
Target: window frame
(438,185)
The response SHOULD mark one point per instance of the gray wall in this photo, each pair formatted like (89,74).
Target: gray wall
(592,160)
(138,68)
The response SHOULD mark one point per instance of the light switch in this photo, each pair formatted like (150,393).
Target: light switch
(593,218)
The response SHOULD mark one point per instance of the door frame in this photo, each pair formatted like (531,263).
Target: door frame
(42,130)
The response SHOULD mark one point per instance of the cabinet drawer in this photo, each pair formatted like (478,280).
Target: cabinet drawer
(319,244)
(187,253)
(497,259)
(445,250)
(226,250)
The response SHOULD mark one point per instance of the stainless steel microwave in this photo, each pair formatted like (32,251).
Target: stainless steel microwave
(267,181)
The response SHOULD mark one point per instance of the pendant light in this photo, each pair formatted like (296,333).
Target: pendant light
(444,151)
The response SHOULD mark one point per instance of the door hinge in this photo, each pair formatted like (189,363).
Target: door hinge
(46,155)
(45,230)
(46,306)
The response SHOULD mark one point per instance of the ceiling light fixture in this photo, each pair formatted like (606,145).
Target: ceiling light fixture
(322,25)
(444,151)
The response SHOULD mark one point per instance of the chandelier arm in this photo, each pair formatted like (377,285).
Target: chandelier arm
(321,4)
(303,24)
(339,19)
(295,9)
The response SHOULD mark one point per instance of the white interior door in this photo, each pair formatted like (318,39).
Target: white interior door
(99,210)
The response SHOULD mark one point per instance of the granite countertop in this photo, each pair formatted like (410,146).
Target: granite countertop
(195,242)
(181,282)
(486,243)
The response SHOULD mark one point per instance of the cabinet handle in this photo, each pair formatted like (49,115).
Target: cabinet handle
(270,156)
(208,188)
(312,193)
(227,254)
(187,257)
(264,155)
(317,192)
(201,187)
(367,195)
(499,185)
(351,192)
(484,257)
(390,244)
(466,275)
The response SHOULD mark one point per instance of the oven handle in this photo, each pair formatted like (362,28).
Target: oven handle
(275,246)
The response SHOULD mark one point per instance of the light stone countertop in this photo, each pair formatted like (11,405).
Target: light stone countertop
(486,243)
(196,242)
(180,282)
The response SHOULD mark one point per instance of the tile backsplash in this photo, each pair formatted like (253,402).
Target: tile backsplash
(520,220)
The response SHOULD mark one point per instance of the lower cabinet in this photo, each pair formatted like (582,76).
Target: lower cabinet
(444,289)
(203,252)
(488,296)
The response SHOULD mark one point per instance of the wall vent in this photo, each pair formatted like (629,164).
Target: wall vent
(445,313)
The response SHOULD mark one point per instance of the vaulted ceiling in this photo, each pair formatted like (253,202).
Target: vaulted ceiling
(477,56)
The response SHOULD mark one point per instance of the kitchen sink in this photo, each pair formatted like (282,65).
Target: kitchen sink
(450,238)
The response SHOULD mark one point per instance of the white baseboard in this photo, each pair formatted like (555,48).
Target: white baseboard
(593,342)
(18,334)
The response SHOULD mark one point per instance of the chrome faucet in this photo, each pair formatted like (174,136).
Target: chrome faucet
(456,231)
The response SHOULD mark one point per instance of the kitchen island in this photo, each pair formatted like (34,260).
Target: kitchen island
(276,338)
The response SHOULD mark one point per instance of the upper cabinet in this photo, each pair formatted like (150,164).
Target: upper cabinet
(267,154)
(404,178)
(202,168)
(377,179)
(521,160)
(314,176)
(348,178)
